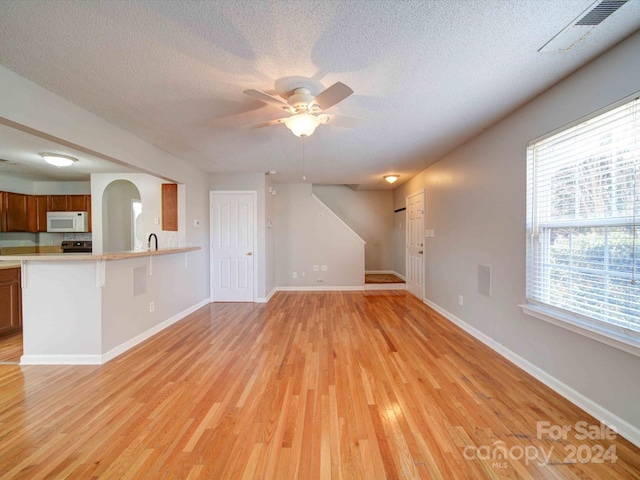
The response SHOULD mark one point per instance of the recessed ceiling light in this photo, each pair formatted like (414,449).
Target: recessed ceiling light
(391,178)
(58,160)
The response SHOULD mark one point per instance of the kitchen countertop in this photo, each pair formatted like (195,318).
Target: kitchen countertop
(11,264)
(15,259)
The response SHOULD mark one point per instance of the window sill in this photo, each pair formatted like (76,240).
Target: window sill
(620,339)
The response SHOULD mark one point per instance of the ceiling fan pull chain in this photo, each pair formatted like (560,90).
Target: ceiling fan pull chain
(303,168)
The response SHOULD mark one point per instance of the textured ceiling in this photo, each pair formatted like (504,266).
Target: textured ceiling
(20,158)
(427,75)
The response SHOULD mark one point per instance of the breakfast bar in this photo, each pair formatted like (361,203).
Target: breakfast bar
(83,308)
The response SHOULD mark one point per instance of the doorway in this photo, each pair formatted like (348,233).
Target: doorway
(233,259)
(415,244)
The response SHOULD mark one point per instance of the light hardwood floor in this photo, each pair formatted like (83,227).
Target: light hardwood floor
(11,348)
(312,385)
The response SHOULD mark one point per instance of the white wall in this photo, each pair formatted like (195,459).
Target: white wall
(307,234)
(369,214)
(150,189)
(475,202)
(28,105)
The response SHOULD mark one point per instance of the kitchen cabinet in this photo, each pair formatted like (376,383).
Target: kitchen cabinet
(32,213)
(42,207)
(20,213)
(58,203)
(10,300)
(170,206)
(28,213)
(77,203)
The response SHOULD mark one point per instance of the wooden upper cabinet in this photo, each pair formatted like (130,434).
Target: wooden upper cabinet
(76,203)
(32,213)
(42,207)
(87,204)
(170,206)
(58,203)
(15,207)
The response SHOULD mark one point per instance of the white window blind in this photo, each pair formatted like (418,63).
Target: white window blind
(583,208)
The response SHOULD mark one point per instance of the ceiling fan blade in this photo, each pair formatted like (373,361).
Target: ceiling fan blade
(330,96)
(269,100)
(267,124)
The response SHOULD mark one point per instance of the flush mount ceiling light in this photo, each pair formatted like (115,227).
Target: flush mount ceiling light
(391,178)
(302,124)
(58,160)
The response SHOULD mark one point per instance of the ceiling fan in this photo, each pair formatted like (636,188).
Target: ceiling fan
(305,109)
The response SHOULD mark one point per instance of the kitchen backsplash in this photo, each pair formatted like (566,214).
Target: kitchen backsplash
(77,236)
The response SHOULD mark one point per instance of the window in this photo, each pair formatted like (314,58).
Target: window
(583,207)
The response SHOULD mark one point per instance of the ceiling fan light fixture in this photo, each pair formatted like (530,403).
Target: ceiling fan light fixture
(391,178)
(58,160)
(302,124)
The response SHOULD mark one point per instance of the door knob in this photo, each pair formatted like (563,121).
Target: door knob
(420,252)
(249,253)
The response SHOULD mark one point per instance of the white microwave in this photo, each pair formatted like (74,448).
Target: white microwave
(67,222)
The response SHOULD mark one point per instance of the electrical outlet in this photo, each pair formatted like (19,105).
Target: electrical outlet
(324,268)
(156,221)
(316,268)
(294,275)
(152,306)
(460,300)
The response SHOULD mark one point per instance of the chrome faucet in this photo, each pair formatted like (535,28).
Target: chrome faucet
(156,239)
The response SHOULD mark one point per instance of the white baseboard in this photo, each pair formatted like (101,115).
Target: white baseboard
(400,276)
(624,428)
(267,298)
(379,272)
(385,286)
(320,289)
(123,347)
(60,359)
(114,352)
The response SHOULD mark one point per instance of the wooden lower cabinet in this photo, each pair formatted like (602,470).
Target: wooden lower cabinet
(10,301)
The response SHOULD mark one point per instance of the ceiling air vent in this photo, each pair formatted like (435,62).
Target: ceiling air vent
(582,25)
(601,12)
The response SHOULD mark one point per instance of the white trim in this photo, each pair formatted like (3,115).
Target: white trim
(627,343)
(624,428)
(123,347)
(267,298)
(379,272)
(114,352)
(61,360)
(320,289)
(385,286)
(400,276)
(338,218)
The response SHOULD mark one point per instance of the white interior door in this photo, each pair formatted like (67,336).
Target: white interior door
(232,246)
(415,244)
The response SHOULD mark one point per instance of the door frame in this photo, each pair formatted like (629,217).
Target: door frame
(256,253)
(422,191)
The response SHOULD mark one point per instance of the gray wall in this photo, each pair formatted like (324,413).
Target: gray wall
(308,234)
(475,202)
(369,214)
